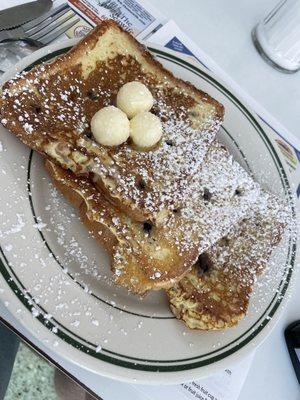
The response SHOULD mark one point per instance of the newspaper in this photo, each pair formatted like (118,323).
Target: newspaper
(145,22)
(226,385)
(139,18)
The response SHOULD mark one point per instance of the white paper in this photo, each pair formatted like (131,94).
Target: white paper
(226,385)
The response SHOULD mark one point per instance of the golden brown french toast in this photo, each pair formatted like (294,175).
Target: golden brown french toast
(215,293)
(145,256)
(135,247)
(50,109)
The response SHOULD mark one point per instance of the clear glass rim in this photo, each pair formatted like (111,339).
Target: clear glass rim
(266,57)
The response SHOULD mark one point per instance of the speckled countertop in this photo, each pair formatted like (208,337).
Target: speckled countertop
(32,377)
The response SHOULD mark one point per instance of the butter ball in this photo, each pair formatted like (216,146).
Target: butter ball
(134,98)
(110,126)
(145,130)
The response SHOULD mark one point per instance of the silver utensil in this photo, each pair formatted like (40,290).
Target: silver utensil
(15,16)
(43,29)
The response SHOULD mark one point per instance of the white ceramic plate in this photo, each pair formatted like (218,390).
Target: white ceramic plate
(56,279)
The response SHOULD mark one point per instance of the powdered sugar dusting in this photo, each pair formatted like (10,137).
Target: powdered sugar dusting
(216,293)
(189,186)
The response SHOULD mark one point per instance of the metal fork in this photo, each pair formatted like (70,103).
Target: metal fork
(42,30)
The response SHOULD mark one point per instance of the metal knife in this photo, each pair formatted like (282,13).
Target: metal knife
(15,16)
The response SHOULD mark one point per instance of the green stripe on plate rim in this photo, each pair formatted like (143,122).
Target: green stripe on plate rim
(149,365)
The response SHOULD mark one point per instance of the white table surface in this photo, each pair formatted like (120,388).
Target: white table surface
(222,29)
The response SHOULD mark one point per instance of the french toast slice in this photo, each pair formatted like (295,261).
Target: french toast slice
(50,108)
(215,293)
(132,245)
(145,256)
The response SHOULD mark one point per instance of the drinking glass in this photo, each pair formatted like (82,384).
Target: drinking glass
(277,36)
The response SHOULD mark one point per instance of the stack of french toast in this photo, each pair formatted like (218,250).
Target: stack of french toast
(135,150)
